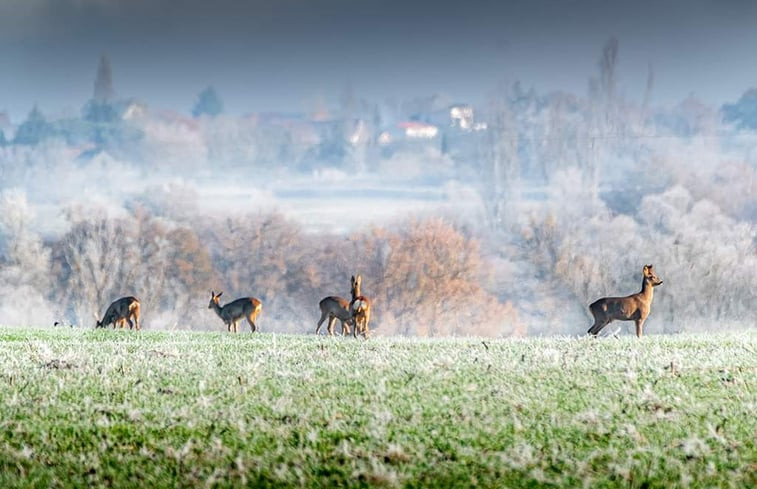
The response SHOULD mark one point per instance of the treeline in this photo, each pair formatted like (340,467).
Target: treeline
(581,191)
(567,196)
(425,277)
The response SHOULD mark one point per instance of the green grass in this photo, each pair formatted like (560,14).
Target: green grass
(120,409)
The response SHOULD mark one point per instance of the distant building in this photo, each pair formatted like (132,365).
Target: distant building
(298,126)
(408,131)
(461,117)
(418,130)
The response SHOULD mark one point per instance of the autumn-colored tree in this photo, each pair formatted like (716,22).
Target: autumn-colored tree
(425,279)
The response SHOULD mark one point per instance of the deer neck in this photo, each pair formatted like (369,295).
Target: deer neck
(647,291)
(217,308)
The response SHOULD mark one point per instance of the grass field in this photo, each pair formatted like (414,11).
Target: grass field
(120,409)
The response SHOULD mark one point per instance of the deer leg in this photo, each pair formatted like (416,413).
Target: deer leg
(131,325)
(251,320)
(366,327)
(330,327)
(359,325)
(320,322)
(591,329)
(597,327)
(639,325)
(228,326)
(345,327)
(601,327)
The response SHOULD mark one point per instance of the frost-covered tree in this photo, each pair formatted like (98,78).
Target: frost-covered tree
(743,112)
(99,262)
(34,129)
(208,103)
(258,255)
(500,164)
(24,265)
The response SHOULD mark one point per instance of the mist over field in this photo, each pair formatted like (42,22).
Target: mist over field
(502,209)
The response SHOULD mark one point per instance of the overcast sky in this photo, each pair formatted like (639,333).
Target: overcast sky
(287,54)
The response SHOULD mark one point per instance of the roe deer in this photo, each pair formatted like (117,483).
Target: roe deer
(360,308)
(635,307)
(231,313)
(120,311)
(334,308)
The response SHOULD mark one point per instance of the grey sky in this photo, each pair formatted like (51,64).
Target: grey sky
(286,54)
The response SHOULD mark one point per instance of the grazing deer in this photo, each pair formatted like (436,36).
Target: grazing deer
(360,308)
(231,313)
(334,308)
(119,312)
(635,307)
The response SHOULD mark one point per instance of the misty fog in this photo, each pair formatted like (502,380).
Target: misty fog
(502,218)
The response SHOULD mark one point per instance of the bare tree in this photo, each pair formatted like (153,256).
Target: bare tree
(103,91)
(608,63)
(100,262)
(501,164)
(24,265)
(426,281)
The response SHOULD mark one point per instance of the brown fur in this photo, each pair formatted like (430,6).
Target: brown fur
(360,308)
(634,307)
(231,313)
(120,312)
(334,308)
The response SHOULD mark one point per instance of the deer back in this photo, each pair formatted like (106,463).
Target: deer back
(240,308)
(335,306)
(121,309)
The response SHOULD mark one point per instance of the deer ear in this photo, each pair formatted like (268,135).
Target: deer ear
(220,294)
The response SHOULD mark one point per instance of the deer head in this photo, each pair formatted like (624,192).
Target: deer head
(355,285)
(650,276)
(214,299)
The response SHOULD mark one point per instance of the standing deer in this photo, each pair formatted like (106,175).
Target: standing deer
(360,308)
(231,313)
(119,312)
(334,308)
(635,307)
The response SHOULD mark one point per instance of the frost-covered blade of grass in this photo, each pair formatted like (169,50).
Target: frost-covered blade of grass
(119,409)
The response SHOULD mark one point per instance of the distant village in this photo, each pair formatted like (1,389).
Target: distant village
(111,124)
(518,133)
